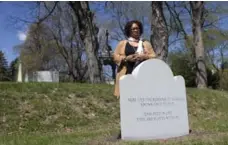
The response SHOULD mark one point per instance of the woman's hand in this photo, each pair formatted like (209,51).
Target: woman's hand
(141,57)
(131,58)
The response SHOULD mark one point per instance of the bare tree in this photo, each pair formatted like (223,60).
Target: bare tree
(207,18)
(65,32)
(36,52)
(117,14)
(88,34)
(179,16)
(197,9)
(159,36)
(73,33)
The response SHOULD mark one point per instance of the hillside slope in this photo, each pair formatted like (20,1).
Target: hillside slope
(69,114)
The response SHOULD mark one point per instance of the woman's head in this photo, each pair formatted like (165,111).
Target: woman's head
(133,29)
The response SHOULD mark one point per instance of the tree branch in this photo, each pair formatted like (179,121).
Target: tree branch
(50,12)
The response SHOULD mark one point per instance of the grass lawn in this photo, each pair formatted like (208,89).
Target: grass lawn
(70,114)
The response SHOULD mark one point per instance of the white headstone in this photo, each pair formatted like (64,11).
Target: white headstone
(153,103)
(19,73)
(26,77)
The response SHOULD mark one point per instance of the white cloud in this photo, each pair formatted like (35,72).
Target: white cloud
(21,36)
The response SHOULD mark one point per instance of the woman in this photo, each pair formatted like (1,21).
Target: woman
(125,55)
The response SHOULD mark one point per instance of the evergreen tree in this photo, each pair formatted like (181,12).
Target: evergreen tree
(3,67)
(13,68)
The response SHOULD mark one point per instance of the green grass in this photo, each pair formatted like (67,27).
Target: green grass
(70,114)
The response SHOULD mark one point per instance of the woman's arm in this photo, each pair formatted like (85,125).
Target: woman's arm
(117,56)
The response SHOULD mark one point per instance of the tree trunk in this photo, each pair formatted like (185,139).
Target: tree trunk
(88,35)
(159,36)
(197,9)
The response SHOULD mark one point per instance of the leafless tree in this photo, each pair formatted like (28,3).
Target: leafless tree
(64,29)
(73,33)
(197,9)
(119,13)
(159,36)
(88,34)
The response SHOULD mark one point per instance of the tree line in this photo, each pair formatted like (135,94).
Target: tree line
(70,37)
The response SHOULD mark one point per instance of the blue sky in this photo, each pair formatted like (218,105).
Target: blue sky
(13,33)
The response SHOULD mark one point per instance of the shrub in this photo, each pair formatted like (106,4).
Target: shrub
(181,65)
(223,83)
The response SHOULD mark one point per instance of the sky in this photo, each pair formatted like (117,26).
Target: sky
(14,33)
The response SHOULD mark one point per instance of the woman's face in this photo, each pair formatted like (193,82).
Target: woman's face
(135,31)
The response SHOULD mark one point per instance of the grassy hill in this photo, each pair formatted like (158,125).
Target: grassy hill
(70,114)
